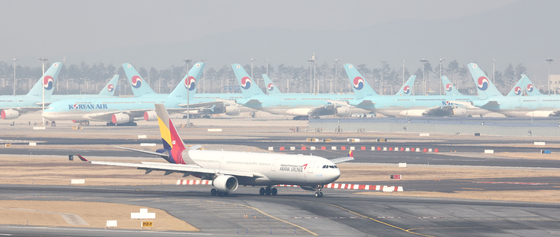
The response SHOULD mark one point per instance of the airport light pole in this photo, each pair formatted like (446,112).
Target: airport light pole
(187,61)
(313,82)
(15,59)
(441,60)
(252,61)
(549,60)
(424,61)
(43,60)
(403,72)
(335,74)
(267,67)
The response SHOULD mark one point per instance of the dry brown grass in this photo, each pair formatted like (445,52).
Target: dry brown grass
(352,172)
(94,213)
(551,196)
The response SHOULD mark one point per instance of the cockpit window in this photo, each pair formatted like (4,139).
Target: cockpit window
(330,167)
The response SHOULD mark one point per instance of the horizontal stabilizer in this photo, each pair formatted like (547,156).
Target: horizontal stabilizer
(143,151)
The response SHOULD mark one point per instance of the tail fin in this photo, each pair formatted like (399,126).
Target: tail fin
(172,142)
(137,84)
(407,87)
(484,86)
(517,90)
(47,81)
(351,153)
(270,87)
(529,87)
(109,89)
(359,84)
(249,87)
(449,88)
(189,83)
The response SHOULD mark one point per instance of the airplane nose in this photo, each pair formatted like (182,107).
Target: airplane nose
(334,175)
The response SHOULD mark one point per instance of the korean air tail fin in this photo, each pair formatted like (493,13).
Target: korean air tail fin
(172,142)
(407,87)
(137,84)
(359,84)
(449,88)
(188,83)
(47,81)
(484,86)
(249,87)
(529,87)
(109,89)
(517,90)
(270,87)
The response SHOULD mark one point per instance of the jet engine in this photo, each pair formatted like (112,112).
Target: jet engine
(232,110)
(120,118)
(459,112)
(10,114)
(343,111)
(225,183)
(150,116)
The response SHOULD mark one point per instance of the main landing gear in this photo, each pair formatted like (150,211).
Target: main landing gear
(268,191)
(215,192)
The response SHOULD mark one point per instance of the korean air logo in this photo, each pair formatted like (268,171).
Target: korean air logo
(246,83)
(270,87)
(75,106)
(406,89)
(517,90)
(449,87)
(190,83)
(530,88)
(482,83)
(358,83)
(110,88)
(136,82)
(48,82)
(448,103)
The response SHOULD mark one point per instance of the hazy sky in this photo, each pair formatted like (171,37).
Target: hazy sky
(33,29)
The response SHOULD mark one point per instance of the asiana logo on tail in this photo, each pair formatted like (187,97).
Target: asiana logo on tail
(87,106)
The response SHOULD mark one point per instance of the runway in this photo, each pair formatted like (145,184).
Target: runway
(339,213)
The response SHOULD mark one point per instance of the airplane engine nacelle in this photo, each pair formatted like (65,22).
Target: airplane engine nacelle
(343,111)
(120,118)
(225,183)
(150,116)
(459,112)
(10,114)
(232,110)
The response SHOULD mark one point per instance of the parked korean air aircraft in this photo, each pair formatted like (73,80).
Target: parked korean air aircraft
(230,169)
(530,89)
(449,88)
(270,87)
(124,111)
(414,106)
(13,106)
(523,106)
(141,88)
(301,106)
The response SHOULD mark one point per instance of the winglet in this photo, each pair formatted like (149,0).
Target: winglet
(351,153)
(82,158)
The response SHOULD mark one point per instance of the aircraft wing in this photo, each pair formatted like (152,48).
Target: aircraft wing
(328,109)
(492,103)
(169,168)
(23,110)
(143,151)
(341,159)
(204,105)
(106,116)
(366,103)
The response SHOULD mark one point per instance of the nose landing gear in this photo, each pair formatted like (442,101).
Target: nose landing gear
(319,191)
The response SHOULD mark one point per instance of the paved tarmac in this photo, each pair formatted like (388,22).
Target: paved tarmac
(338,213)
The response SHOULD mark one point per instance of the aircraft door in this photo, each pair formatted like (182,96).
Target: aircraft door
(273,168)
(310,167)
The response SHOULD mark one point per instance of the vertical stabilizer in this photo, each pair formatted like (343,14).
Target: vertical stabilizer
(137,84)
(484,86)
(109,89)
(249,87)
(449,88)
(172,142)
(271,89)
(189,82)
(359,84)
(517,90)
(529,87)
(47,81)
(407,87)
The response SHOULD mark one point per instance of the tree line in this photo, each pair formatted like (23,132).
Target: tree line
(386,79)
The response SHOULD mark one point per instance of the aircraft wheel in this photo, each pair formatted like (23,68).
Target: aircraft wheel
(268,191)
(320,194)
(317,195)
(213,192)
(262,191)
(274,191)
